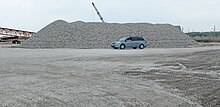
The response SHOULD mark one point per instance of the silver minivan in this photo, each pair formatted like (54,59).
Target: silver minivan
(130,42)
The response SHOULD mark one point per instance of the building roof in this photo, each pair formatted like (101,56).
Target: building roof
(16,30)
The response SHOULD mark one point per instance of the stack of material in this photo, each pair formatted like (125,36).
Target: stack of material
(81,35)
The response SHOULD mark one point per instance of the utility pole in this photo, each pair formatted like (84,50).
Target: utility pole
(101,18)
(214,31)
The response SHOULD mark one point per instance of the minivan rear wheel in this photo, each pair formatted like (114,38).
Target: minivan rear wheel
(122,46)
(141,46)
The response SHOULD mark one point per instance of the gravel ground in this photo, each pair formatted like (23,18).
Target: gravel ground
(186,77)
(93,35)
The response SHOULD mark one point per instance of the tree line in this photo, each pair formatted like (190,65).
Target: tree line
(193,34)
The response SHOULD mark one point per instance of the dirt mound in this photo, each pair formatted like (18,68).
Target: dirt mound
(61,34)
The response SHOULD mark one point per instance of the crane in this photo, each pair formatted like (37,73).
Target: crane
(101,18)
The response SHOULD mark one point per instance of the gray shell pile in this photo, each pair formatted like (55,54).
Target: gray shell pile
(61,34)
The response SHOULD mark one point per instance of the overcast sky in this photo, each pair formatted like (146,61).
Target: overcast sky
(33,15)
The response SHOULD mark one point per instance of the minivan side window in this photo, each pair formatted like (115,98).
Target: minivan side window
(137,39)
(141,39)
(134,39)
(128,39)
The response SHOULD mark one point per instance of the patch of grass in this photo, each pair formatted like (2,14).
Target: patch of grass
(14,47)
(10,46)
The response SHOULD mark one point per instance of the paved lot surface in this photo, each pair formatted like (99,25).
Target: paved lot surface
(106,77)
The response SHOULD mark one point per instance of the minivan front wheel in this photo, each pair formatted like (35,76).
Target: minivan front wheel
(122,46)
(141,46)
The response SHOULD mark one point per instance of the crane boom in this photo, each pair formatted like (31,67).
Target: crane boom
(101,18)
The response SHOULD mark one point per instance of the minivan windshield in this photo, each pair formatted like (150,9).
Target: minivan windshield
(122,39)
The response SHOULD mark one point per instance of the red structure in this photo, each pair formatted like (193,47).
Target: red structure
(13,35)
